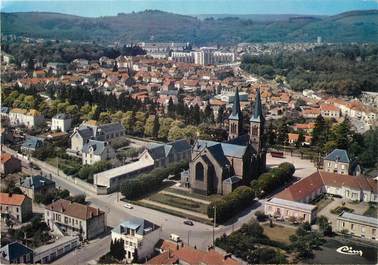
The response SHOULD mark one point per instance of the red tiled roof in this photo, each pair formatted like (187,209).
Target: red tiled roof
(190,256)
(328,107)
(304,187)
(5,157)
(12,199)
(74,209)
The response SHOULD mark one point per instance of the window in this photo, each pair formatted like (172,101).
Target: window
(343,167)
(352,226)
(17,209)
(343,224)
(363,229)
(374,231)
(199,171)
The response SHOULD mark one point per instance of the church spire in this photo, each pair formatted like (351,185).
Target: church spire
(236,112)
(235,119)
(257,115)
(257,124)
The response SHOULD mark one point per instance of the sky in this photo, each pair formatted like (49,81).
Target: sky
(95,8)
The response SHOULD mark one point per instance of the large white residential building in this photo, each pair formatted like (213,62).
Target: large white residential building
(139,236)
(29,118)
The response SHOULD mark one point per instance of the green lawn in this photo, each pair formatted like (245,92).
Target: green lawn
(278,233)
(209,198)
(69,166)
(179,202)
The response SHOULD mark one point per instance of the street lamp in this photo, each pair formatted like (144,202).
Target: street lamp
(214,222)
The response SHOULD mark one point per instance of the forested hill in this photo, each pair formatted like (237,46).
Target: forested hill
(355,26)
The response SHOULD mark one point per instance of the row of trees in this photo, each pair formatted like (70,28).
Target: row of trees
(231,204)
(273,179)
(140,186)
(344,69)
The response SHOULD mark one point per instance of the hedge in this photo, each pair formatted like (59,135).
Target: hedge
(275,178)
(140,186)
(231,204)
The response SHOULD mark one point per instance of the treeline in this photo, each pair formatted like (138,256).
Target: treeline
(273,179)
(142,185)
(63,52)
(338,70)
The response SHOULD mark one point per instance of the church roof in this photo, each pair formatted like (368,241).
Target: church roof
(227,149)
(257,113)
(236,112)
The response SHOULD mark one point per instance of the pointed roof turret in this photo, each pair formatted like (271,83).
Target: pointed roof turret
(236,112)
(257,113)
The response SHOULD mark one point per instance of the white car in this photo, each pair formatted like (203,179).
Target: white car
(128,206)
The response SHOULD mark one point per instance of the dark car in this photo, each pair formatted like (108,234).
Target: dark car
(188,222)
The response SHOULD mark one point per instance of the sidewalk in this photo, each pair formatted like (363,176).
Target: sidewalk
(161,205)
(184,197)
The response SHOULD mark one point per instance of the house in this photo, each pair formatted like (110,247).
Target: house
(90,130)
(16,206)
(355,188)
(357,225)
(16,253)
(337,162)
(241,158)
(37,185)
(31,144)
(280,208)
(9,164)
(95,151)
(329,111)
(61,122)
(74,218)
(48,253)
(138,235)
(29,118)
(173,253)
(165,154)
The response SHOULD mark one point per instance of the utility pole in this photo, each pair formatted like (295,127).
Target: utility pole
(215,221)
(188,236)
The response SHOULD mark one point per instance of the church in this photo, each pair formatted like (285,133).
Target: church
(220,167)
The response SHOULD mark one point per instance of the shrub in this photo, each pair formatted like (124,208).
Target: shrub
(260,216)
(231,204)
(275,178)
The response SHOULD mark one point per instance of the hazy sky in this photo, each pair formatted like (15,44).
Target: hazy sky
(94,8)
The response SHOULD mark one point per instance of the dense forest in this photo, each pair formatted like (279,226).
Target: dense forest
(57,51)
(355,26)
(334,69)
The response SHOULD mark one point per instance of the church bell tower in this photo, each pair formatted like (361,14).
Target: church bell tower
(235,120)
(257,124)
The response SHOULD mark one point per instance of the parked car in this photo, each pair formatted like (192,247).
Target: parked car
(128,206)
(188,222)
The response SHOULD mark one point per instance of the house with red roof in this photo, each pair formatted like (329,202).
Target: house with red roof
(173,253)
(16,206)
(74,218)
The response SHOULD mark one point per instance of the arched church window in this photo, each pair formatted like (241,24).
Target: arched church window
(255,130)
(199,171)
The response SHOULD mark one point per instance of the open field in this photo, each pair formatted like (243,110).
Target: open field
(278,233)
